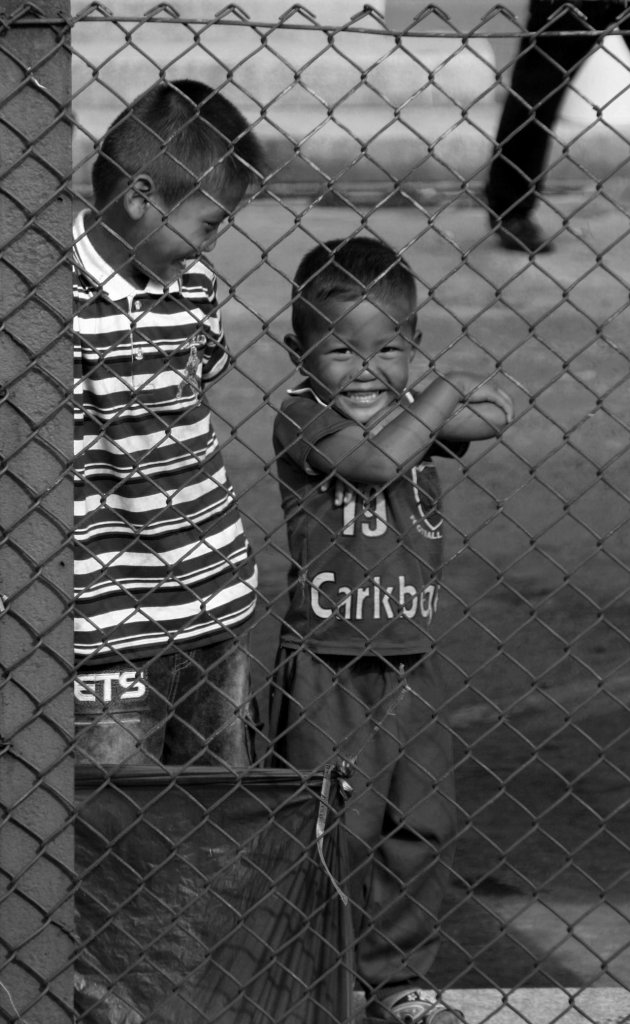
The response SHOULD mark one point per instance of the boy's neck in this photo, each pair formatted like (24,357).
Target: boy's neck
(111,247)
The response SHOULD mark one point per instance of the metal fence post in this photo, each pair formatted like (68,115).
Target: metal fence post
(36,708)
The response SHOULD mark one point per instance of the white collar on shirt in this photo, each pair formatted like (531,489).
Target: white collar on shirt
(113,284)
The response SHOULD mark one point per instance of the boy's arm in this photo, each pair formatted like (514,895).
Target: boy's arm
(487,412)
(358,456)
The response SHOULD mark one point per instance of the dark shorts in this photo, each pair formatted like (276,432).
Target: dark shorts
(184,707)
(389,720)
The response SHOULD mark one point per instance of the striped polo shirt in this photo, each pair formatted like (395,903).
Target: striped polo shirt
(160,551)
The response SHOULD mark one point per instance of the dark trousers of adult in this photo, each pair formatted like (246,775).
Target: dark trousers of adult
(542,72)
(401,820)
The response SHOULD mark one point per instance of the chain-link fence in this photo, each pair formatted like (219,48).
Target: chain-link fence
(328,745)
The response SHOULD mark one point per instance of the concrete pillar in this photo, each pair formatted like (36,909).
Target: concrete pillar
(36,706)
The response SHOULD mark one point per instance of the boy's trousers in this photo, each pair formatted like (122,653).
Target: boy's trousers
(384,717)
(182,707)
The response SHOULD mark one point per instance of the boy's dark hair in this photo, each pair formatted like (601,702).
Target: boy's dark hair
(176,132)
(349,270)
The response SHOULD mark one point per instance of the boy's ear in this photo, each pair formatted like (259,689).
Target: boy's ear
(415,343)
(295,349)
(139,195)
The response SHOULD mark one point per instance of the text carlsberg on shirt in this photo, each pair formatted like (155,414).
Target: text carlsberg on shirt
(375,601)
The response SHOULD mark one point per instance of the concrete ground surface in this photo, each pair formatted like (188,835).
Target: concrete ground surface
(535,609)
(539,1005)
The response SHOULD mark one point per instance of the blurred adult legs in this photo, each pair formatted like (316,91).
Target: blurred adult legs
(544,67)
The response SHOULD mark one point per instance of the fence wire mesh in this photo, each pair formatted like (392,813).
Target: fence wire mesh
(322,792)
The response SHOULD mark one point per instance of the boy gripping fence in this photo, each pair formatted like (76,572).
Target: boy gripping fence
(355,678)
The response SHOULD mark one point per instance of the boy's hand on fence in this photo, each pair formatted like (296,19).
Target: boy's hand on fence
(476,391)
(492,393)
(484,409)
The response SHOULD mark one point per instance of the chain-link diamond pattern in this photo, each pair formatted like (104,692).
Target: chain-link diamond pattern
(300,836)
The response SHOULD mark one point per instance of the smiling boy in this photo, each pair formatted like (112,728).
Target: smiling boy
(165,579)
(355,679)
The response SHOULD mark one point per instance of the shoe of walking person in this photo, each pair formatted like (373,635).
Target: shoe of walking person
(411,1006)
(520,233)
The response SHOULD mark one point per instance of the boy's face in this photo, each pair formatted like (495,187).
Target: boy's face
(166,241)
(357,355)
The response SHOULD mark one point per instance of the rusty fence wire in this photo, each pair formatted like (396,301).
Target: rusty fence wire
(419,784)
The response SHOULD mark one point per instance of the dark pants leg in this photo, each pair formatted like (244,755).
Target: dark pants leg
(542,72)
(184,707)
(210,718)
(400,819)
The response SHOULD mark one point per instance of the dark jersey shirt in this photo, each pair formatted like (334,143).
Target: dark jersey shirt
(365,576)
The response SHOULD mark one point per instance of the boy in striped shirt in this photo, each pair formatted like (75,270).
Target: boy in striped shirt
(164,575)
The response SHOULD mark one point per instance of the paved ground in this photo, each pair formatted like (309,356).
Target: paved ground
(536,603)
(540,1005)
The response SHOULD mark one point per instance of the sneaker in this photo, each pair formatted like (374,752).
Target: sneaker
(520,233)
(412,1006)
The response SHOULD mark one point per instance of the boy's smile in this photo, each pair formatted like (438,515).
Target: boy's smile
(149,241)
(358,353)
(170,240)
